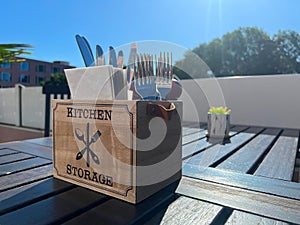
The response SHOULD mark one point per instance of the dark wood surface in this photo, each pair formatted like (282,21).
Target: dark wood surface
(252,179)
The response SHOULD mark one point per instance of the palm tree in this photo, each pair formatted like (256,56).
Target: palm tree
(9,52)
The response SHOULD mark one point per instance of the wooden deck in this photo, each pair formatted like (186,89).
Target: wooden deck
(251,180)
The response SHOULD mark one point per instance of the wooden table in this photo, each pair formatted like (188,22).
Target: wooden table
(251,180)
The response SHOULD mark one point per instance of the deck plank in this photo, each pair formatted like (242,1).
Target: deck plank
(262,204)
(239,217)
(280,161)
(195,212)
(119,212)
(27,176)
(14,157)
(22,165)
(248,156)
(34,193)
(6,151)
(197,146)
(30,148)
(246,181)
(189,130)
(55,209)
(193,137)
(217,152)
(46,141)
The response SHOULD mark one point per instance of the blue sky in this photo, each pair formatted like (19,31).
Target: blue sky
(51,25)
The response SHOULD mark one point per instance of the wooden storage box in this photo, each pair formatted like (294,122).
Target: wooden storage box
(125,149)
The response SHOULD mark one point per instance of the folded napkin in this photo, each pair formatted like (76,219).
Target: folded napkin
(97,83)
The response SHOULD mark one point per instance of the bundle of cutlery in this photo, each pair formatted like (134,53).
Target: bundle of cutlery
(153,77)
(149,77)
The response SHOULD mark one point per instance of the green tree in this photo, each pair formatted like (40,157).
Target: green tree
(249,51)
(8,52)
(288,50)
(191,66)
(56,79)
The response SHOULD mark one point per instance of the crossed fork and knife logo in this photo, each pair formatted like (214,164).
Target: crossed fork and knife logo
(88,142)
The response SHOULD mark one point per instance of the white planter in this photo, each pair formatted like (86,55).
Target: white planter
(218,125)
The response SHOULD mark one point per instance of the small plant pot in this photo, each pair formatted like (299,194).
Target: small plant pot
(218,126)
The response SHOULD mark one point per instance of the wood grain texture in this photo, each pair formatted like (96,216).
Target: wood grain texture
(27,176)
(266,205)
(189,130)
(14,157)
(251,199)
(14,191)
(46,141)
(14,167)
(280,161)
(193,137)
(6,151)
(119,212)
(218,152)
(136,135)
(246,181)
(55,209)
(190,211)
(29,148)
(239,217)
(197,146)
(33,193)
(246,157)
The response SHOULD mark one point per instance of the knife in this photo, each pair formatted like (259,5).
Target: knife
(112,57)
(120,59)
(85,50)
(99,56)
(89,49)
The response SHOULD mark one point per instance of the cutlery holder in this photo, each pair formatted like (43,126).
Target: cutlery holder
(125,149)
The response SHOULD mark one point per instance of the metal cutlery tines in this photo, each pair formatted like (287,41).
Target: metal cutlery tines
(153,76)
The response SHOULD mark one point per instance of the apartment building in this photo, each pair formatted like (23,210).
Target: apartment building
(30,72)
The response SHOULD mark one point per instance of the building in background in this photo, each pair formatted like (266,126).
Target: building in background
(30,72)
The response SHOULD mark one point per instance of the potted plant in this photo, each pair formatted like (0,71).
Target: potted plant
(218,122)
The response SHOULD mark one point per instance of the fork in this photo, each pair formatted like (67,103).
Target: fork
(144,81)
(164,75)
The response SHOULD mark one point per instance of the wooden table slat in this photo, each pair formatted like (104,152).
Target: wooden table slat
(22,165)
(193,137)
(39,191)
(6,151)
(27,176)
(217,152)
(280,161)
(270,167)
(195,212)
(239,217)
(30,148)
(246,181)
(14,157)
(195,147)
(218,192)
(46,141)
(119,212)
(55,209)
(248,156)
(17,190)
(189,130)
(257,203)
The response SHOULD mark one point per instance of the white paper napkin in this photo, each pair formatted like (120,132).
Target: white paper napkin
(97,83)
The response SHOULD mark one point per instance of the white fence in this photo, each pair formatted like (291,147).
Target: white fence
(271,101)
(22,106)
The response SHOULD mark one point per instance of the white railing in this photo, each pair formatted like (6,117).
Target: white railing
(271,101)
